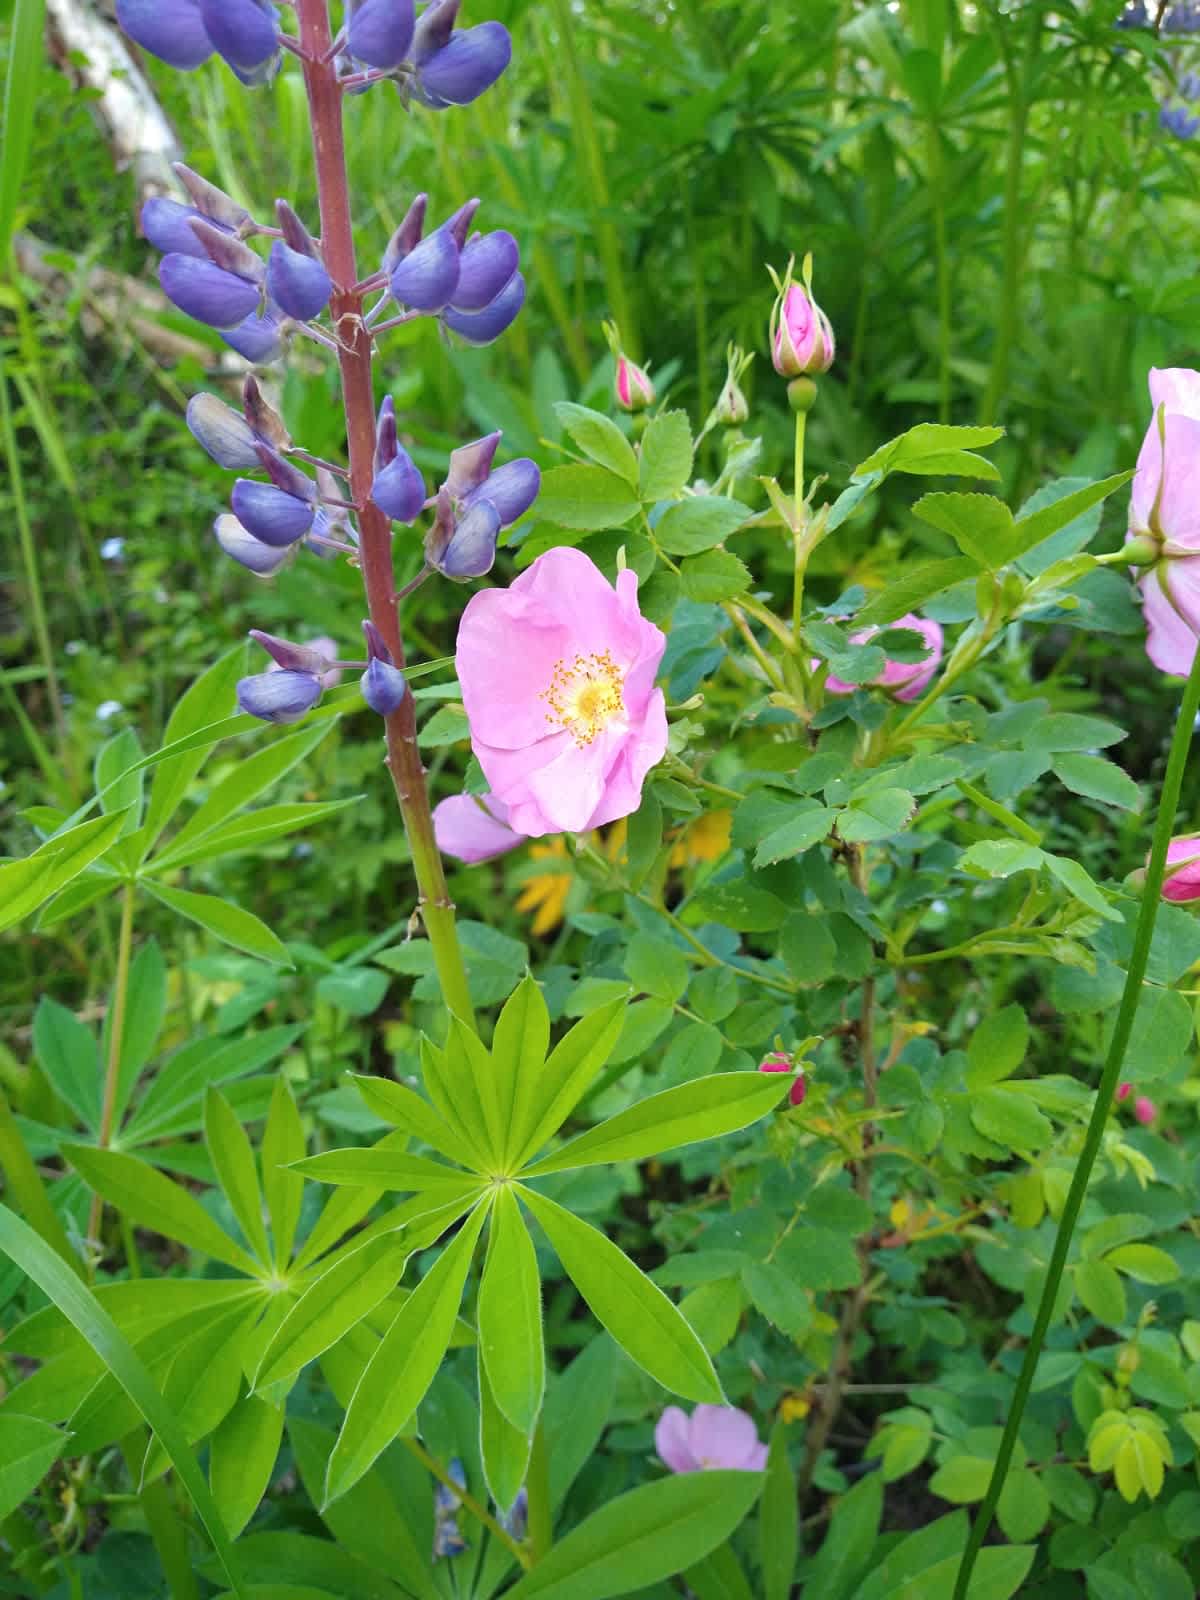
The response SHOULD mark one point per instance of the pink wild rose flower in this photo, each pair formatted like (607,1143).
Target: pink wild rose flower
(1165,508)
(712,1437)
(473,828)
(905,679)
(557,674)
(1182,882)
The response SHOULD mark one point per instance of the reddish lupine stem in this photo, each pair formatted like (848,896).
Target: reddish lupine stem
(375,534)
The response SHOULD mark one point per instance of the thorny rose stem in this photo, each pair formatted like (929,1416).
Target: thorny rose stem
(354,358)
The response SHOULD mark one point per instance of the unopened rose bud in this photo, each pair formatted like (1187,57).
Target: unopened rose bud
(1124,1090)
(801,337)
(776,1062)
(798,1090)
(732,408)
(1182,882)
(632,385)
(1145,1110)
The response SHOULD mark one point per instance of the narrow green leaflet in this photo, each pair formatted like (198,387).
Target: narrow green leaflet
(21,1245)
(66,1052)
(116,787)
(544,1102)
(401,1370)
(379,1167)
(453,1089)
(397,1104)
(779,1524)
(241,1458)
(505,1449)
(707,1108)
(28,1449)
(846,1549)
(26,884)
(242,929)
(519,1046)
(210,698)
(232,1156)
(147,1197)
(642,1537)
(282,1146)
(510,1316)
(647,1326)
(247,831)
(330,1307)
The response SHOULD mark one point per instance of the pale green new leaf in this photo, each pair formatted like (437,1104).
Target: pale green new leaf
(510,1316)
(242,929)
(26,884)
(545,1101)
(380,1168)
(395,1103)
(401,1370)
(232,1156)
(505,1449)
(519,1047)
(647,1326)
(706,1108)
(283,1144)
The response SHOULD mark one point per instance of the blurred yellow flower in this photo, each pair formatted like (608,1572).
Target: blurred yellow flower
(545,894)
(706,838)
(794,1407)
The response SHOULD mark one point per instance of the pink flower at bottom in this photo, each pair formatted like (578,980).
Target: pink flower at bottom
(473,828)
(557,674)
(906,679)
(712,1437)
(1183,883)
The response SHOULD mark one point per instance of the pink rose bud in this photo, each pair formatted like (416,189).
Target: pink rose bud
(775,1062)
(1124,1091)
(1182,882)
(632,386)
(1144,1110)
(801,337)
(798,1090)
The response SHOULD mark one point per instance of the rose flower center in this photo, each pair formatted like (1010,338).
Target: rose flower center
(584,695)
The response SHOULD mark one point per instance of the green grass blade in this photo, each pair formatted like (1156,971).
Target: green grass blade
(20,103)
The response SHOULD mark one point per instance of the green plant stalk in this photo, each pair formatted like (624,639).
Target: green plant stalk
(355,362)
(937,173)
(167,1529)
(26,1548)
(801,551)
(468,1500)
(24,1185)
(1144,933)
(116,1033)
(541,1516)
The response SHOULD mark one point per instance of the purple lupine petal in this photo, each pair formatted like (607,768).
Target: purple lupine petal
(470,550)
(205,291)
(377,648)
(672,1440)
(482,327)
(426,278)
(723,1436)
(228,438)
(383,687)
(473,828)
(381,31)
(407,236)
(385,434)
(257,338)
(470,465)
(470,63)
(317,657)
(298,283)
(399,490)
(167,226)
(270,514)
(433,29)
(210,201)
(172,30)
(487,264)
(512,489)
(278,696)
(458,223)
(240,543)
(283,474)
(244,32)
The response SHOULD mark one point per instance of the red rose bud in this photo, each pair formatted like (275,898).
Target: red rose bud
(775,1062)
(801,337)
(1124,1090)
(798,1090)
(632,386)
(1182,882)
(1145,1110)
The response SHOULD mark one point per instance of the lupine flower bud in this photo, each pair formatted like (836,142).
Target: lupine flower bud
(407,236)
(225,250)
(240,543)
(383,684)
(244,32)
(210,201)
(205,291)
(458,223)
(801,337)
(298,283)
(486,268)
(1124,1090)
(399,490)
(1145,1110)
(1182,882)
(167,226)
(482,327)
(228,438)
(381,31)
(279,696)
(280,512)
(295,657)
(463,547)
(426,278)
(172,30)
(262,416)
(257,338)
(465,67)
(470,465)
(512,489)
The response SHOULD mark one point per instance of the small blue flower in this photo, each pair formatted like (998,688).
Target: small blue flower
(207,292)
(1174,119)
(298,283)
(483,327)
(279,696)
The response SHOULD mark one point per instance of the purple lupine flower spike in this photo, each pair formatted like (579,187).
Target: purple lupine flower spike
(398,489)
(257,338)
(244,32)
(172,30)
(279,696)
(463,547)
(426,278)
(207,292)
(482,327)
(512,489)
(383,684)
(228,438)
(485,270)
(465,67)
(240,543)
(299,284)
(166,224)
(381,31)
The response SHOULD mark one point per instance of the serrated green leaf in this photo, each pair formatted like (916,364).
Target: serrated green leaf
(699,523)
(979,524)
(1098,779)
(586,499)
(600,438)
(665,457)
(714,575)
(807,826)
(912,589)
